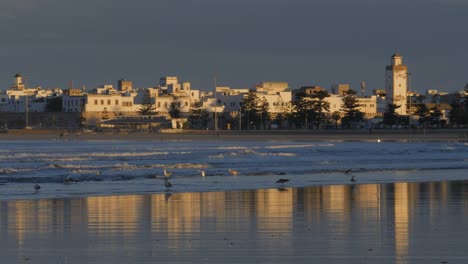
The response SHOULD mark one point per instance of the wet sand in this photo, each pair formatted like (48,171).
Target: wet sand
(370,223)
(446,135)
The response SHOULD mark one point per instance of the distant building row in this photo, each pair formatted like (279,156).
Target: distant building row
(107,102)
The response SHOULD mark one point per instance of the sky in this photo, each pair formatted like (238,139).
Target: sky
(241,42)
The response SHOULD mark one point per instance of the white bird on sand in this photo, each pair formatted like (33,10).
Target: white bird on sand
(167,183)
(202,172)
(233,172)
(167,174)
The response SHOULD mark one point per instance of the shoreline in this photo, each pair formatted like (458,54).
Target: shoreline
(413,135)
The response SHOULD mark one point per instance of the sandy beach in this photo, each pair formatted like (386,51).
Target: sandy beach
(448,135)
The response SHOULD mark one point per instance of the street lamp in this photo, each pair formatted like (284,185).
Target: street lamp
(409,75)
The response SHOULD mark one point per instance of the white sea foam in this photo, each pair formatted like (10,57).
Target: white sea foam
(123,162)
(291,146)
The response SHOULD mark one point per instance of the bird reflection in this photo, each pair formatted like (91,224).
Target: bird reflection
(167,196)
(167,183)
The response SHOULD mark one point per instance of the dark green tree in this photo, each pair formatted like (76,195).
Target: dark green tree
(174,108)
(336,116)
(458,114)
(263,113)
(54,104)
(350,109)
(390,117)
(320,107)
(423,112)
(198,117)
(249,109)
(435,116)
(147,106)
(304,112)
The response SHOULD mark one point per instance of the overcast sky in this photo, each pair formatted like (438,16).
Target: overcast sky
(242,42)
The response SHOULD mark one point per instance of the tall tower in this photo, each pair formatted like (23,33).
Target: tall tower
(396,83)
(18,82)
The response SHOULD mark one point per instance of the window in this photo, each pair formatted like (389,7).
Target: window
(108,102)
(186,103)
(95,102)
(116,102)
(102,102)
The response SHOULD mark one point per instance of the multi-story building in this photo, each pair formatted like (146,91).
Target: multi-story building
(278,96)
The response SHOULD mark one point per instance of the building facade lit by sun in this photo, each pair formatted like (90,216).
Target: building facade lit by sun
(396,84)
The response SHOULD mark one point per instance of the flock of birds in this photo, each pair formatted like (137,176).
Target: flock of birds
(167,175)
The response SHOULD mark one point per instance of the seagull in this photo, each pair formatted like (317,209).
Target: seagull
(281,181)
(167,174)
(233,172)
(167,183)
(353,179)
(37,187)
(66,179)
(202,172)
(348,171)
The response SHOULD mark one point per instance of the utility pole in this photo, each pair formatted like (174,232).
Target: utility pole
(26,103)
(216,105)
(240,118)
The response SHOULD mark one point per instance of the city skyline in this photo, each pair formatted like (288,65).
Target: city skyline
(242,43)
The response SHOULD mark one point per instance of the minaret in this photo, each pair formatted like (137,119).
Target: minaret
(396,83)
(18,82)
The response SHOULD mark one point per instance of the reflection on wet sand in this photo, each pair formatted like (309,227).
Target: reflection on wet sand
(339,224)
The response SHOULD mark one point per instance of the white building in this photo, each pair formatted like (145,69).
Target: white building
(278,95)
(20,98)
(396,84)
(368,105)
(229,99)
